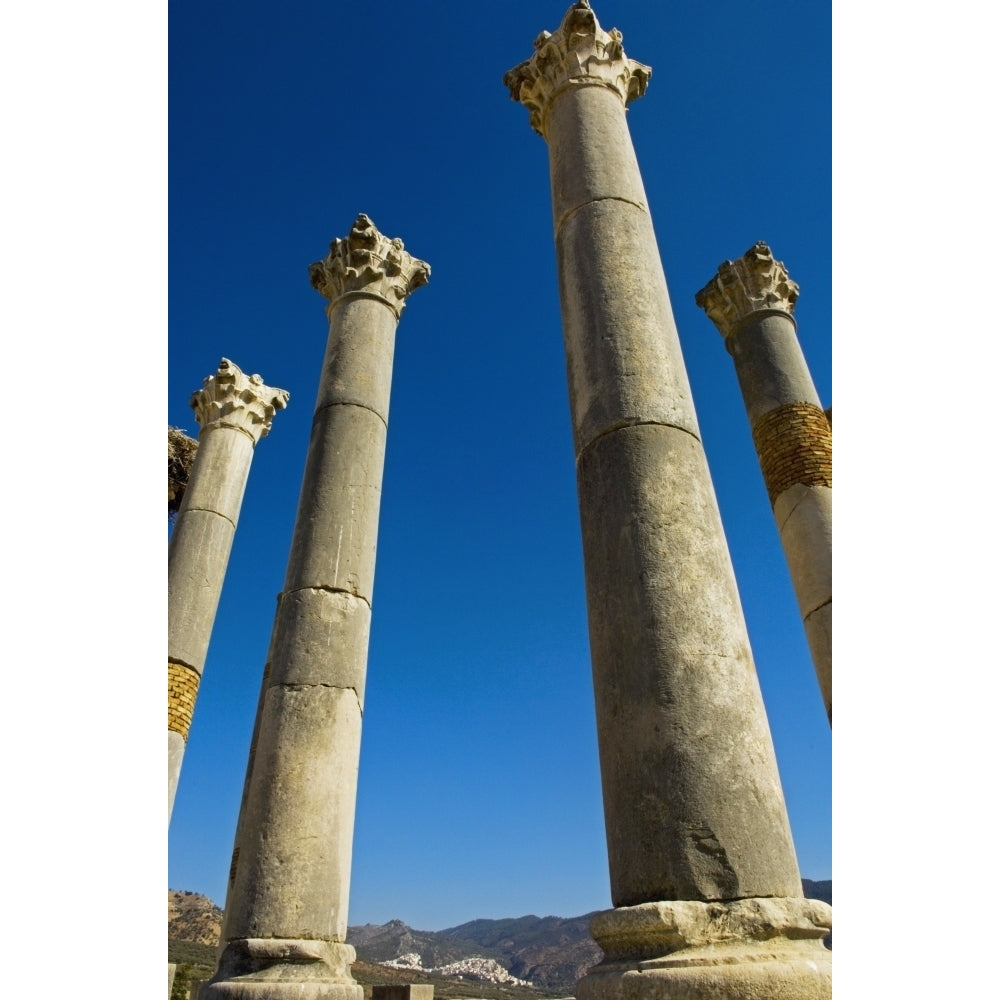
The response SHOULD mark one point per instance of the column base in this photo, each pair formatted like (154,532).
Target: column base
(743,949)
(282,968)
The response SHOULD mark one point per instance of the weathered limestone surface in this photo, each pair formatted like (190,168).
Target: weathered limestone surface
(693,804)
(286,912)
(751,301)
(694,810)
(234,411)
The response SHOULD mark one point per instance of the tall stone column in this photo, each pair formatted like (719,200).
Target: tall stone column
(234,412)
(285,922)
(707,895)
(750,301)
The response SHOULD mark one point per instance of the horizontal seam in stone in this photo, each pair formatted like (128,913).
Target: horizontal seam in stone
(220,424)
(594,201)
(360,406)
(178,662)
(572,85)
(624,425)
(758,314)
(329,590)
(319,684)
(360,293)
(819,607)
(300,686)
(208,510)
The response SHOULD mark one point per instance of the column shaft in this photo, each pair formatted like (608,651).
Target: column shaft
(234,412)
(751,301)
(693,803)
(699,847)
(293,870)
(286,913)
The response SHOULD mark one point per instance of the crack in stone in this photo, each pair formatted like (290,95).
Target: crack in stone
(322,589)
(798,503)
(332,687)
(818,607)
(208,510)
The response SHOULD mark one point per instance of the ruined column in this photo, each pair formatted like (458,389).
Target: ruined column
(234,413)
(706,888)
(750,301)
(285,921)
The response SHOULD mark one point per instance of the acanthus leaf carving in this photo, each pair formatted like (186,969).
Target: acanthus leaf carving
(231,399)
(579,53)
(366,261)
(755,282)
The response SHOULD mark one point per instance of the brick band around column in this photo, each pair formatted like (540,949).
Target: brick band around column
(182,692)
(794,444)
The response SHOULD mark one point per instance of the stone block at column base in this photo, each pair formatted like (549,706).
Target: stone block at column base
(743,949)
(282,968)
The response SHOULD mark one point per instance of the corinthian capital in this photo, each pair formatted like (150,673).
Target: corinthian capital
(231,399)
(754,283)
(579,54)
(368,262)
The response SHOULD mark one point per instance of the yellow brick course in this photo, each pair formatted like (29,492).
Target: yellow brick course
(182,691)
(794,443)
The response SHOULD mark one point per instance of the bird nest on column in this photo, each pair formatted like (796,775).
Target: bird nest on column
(181,450)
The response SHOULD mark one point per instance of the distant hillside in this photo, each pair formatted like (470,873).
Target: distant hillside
(384,942)
(551,952)
(822,890)
(193,917)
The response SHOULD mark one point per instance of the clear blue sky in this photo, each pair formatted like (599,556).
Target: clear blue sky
(479,791)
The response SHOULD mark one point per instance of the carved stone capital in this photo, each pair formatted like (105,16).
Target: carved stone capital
(366,261)
(756,282)
(579,53)
(231,399)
